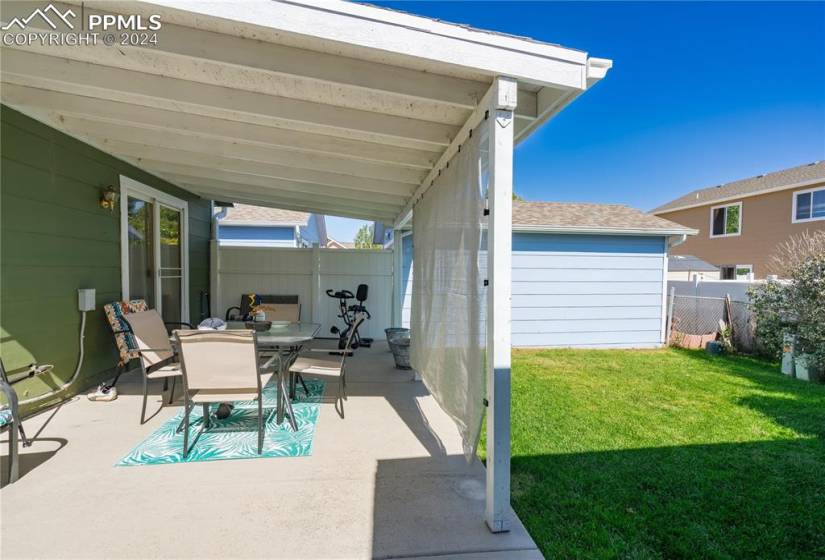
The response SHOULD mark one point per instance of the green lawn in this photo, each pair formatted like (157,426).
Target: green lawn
(666,454)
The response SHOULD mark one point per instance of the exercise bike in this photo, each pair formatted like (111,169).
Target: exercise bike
(347,312)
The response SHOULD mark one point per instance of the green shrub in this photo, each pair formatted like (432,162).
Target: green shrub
(771,305)
(798,306)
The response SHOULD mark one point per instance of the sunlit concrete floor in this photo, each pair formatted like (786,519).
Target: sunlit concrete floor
(388,481)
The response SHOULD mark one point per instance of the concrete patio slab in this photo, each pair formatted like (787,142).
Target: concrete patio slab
(388,481)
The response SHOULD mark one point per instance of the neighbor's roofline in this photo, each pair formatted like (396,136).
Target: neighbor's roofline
(602,231)
(801,184)
(260,223)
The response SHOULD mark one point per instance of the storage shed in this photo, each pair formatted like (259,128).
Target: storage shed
(584,275)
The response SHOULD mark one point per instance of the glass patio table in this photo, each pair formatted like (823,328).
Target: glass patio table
(286,340)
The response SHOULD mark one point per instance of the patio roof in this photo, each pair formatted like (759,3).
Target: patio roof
(334,108)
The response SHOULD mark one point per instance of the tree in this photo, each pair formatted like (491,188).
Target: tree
(363,238)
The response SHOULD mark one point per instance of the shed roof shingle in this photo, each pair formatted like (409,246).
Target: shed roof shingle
(248,214)
(810,172)
(606,218)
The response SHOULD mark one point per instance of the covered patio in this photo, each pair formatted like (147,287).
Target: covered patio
(389,481)
(333,108)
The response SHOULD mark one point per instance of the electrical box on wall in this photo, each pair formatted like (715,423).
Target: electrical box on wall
(86,299)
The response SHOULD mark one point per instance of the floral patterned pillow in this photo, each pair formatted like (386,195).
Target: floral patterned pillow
(124,338)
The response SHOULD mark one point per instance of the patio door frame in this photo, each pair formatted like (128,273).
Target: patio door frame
(135,189)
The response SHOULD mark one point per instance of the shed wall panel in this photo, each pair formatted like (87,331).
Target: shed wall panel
(587,290)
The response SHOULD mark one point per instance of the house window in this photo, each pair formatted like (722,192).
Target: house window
(735,271)
(726,220)
(809,205)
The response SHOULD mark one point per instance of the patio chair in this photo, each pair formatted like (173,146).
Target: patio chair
(248,301)
(154,350)
(116,313)
(330,365)
(221,366)
(10,420)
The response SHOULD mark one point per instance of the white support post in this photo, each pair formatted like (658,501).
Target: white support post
(316,283)
(397,271)
(215,302)
(499,262)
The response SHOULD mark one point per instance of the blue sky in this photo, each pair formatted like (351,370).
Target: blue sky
(700,94)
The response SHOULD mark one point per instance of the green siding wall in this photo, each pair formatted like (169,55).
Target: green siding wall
(55,238)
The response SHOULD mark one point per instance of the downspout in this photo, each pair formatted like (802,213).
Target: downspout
(216,218)
(674,240)
(214,260)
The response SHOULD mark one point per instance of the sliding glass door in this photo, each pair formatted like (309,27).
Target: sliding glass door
(153,249)
(171,263)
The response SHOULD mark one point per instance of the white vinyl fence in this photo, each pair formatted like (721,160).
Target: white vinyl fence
(737,289)
(307,273)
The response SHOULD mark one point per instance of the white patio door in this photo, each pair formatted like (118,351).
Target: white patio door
(154,241)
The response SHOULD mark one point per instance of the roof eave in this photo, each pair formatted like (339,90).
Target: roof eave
(799,185)
(259,223)
(524,228)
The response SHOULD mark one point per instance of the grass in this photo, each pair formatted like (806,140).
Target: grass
(666,454)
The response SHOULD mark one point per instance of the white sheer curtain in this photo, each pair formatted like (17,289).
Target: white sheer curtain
(448,340)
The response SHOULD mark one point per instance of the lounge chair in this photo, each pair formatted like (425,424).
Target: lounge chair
(154,349)
(221,366)
(248,301)
(315,363)
(116,313)
(10,420)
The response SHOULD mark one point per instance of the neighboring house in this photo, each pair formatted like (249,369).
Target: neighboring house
(584,275)
(741,224)
(688,267)
(382,235)
(243,225)
(335,244)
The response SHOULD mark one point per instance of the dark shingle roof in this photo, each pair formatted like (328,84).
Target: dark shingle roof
(810,172)
(607,218)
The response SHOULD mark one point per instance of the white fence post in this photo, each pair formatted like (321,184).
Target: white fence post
(397,264)
(316,284)
(215,303)
(499,272)
(670,315)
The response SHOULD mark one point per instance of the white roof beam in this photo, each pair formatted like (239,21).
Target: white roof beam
(274,188)
(327,204)
(144,152)
(274,202)
(381,36)
(35,70)
(308,189)
(549,101)
(32,100)
(228,60)
(119,134)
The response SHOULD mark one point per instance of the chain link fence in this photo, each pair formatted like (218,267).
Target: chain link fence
(694,320)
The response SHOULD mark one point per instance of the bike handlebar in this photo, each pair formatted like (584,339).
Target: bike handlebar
(343,294)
